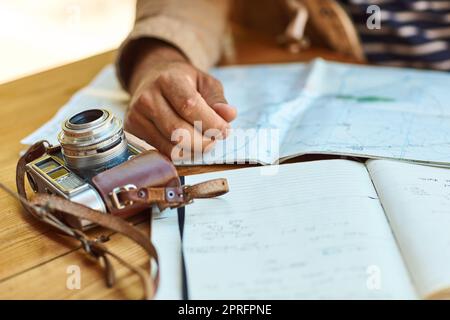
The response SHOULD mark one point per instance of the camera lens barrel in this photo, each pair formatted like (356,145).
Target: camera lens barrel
(92,139)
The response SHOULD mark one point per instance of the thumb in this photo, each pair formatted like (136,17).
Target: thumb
(212,91)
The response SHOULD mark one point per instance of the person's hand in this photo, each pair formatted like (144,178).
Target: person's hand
(168,93)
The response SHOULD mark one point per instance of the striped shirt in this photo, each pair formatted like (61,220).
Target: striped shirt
(411,33)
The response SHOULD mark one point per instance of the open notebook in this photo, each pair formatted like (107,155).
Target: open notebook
(321,107)
(322,229)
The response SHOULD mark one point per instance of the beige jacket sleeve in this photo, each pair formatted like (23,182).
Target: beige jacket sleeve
(195,27)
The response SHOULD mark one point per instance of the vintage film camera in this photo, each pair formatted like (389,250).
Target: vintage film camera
(89,166)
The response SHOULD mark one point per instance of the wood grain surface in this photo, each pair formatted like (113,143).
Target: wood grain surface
(33,260)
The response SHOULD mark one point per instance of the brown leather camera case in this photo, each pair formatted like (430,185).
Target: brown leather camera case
(148,169)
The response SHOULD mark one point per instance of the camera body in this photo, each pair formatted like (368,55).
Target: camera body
(91,142)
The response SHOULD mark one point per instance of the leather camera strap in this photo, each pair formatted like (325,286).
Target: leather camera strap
(48,209)
(54,210)
(175,196)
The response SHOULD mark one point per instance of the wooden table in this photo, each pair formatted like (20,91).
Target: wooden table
(33,261)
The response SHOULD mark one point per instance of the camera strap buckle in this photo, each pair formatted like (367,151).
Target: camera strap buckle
(115,196)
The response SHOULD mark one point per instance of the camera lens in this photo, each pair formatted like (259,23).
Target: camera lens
(93,140)
(86,117)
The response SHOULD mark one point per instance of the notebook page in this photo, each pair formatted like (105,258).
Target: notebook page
(166,238)
(313,230)
(416,199)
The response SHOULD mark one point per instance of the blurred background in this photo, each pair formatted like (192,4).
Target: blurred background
(39,35)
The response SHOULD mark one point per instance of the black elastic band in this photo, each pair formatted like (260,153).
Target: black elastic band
(181,216)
